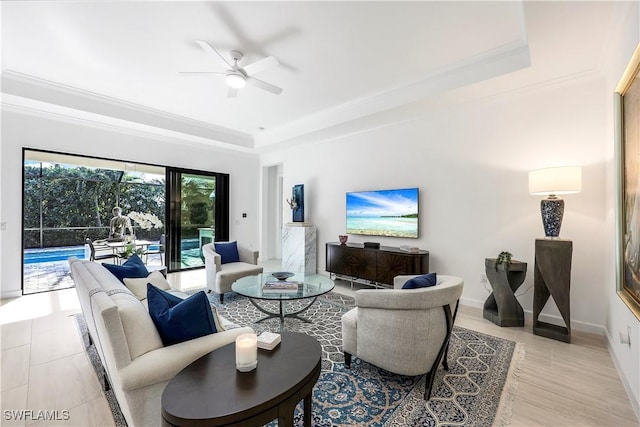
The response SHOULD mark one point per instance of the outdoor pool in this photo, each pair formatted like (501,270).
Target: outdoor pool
(33,256)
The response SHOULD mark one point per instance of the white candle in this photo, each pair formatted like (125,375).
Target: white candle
(246,352)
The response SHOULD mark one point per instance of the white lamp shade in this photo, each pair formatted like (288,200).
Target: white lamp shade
(554,181)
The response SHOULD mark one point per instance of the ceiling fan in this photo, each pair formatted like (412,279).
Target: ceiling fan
(237,77)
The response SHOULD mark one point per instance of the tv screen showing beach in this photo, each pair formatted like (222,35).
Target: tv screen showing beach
(383,213)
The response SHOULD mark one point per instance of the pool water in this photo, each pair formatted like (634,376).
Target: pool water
(32,256)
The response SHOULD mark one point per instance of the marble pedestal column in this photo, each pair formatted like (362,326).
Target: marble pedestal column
(299,247)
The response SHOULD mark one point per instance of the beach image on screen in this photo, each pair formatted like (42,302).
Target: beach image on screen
(383,213)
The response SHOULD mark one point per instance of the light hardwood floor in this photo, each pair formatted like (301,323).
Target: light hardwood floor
(44,367)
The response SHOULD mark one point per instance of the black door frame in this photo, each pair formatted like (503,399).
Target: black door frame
(173,212)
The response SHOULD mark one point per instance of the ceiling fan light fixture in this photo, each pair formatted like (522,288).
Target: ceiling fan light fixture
(236,80)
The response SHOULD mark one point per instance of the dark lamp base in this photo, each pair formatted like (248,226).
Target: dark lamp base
(552,210)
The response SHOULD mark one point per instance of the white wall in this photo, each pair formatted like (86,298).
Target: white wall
(471,162)
(619,319)
(25,130)
(271,212)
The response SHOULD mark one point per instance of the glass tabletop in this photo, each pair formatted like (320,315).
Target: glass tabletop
(297,286)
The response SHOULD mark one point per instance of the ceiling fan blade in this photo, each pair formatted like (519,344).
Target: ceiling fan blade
(232,93)
(208,48)
(264,85)
(200,73)
(261,65)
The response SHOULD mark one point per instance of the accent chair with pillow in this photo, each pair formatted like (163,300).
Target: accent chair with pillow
(404,331)
(226,262)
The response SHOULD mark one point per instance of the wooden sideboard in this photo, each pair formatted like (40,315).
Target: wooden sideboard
(376,265)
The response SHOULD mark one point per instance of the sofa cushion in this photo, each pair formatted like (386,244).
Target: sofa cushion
(140,331)
(236,270)
(423,281)
(228,252)
(179,320)
(133,267)
(139,285)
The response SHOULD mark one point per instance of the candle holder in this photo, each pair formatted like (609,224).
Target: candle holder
(246,352)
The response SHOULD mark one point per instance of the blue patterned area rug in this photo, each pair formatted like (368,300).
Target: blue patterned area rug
(471,393)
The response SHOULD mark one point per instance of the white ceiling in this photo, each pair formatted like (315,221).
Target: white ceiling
(340,61)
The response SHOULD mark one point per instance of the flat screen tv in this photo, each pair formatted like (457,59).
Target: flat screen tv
(383,213)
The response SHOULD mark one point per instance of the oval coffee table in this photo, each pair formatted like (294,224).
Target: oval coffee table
(211,392)
(310,286)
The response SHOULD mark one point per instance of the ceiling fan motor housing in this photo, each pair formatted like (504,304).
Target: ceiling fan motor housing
(236,55)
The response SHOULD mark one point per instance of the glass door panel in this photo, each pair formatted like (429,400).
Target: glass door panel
(196,215)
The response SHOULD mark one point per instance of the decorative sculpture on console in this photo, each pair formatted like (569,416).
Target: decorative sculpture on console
(296,203)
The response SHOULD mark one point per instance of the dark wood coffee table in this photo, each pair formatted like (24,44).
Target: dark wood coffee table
(211,392)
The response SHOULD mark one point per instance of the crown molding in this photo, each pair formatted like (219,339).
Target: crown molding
(486,65)
(419,110)
(53,93)
(26,106)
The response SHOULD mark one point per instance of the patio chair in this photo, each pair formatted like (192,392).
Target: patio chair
(100,247)
(160,250)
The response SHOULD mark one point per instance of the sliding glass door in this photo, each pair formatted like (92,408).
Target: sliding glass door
(68,199)
(198,212)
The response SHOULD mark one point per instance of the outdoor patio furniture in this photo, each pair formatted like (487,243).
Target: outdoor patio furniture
(94,247)
(160,249)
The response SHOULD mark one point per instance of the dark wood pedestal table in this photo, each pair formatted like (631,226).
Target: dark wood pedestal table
(552,278)
(502,306)
(211,392)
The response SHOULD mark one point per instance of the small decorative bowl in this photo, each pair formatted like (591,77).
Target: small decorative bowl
(343,239)
(282,275)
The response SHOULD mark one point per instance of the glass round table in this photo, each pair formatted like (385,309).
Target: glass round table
(290,287)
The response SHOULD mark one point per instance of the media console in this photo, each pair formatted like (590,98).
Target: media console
(377,266)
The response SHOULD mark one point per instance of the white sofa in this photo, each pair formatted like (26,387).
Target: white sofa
(220,276)
(128,343)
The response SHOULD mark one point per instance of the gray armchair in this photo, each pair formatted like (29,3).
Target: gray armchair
(220,276)
(404,331)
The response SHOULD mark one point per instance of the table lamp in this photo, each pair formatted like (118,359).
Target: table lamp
(553,182)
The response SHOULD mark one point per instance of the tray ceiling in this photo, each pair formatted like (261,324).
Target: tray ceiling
(340,61)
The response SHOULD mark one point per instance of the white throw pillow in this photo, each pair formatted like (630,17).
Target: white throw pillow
(139,286)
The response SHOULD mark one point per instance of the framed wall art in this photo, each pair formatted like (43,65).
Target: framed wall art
(627,117)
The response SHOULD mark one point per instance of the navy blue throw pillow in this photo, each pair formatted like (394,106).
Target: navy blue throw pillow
(179,320)
(133,268)
(424,281)
(228,252)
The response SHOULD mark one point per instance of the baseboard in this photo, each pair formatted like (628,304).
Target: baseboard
(635,403)
(576,325)
(10,294)
(472,303)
